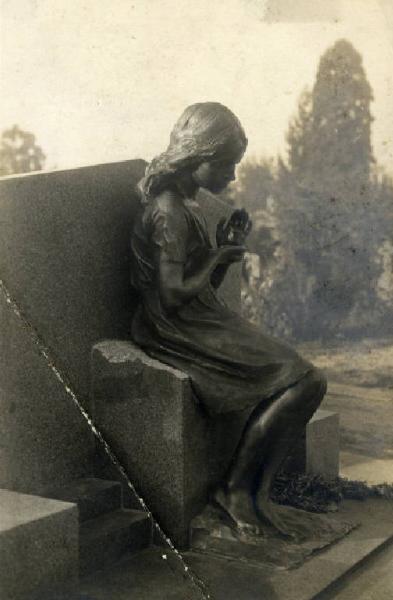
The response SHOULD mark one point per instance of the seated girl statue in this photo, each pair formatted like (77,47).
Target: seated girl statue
(233,365)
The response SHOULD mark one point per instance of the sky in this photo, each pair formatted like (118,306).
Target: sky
(100,81)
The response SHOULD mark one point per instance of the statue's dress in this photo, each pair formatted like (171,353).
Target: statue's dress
(232,364)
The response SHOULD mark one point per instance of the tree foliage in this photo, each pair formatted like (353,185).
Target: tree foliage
(331,208)
(19,152)
(329,142)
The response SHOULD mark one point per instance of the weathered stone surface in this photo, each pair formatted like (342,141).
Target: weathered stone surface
(317,453)
(64,250)
(44,439)
(38,545)
(105,539)
(172,452)
(94,497)
(64,255)
(323,444)
(105,468)
(149,575)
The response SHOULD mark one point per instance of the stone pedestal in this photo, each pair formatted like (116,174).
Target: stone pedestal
(172,452)
(317,453)
(38,546)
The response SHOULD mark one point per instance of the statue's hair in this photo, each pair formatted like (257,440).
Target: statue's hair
(205,131)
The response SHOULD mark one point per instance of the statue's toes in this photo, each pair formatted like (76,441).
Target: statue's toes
(248,530)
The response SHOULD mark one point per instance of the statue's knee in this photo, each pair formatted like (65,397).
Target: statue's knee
(317,385)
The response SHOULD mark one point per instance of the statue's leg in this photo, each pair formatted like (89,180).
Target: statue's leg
(270,433)
(300,403)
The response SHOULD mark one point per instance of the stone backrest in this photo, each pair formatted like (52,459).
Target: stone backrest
(64,257)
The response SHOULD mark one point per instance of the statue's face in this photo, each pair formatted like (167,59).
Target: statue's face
(215,175)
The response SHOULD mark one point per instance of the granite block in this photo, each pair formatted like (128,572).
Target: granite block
(38,545)
(44,437)
(70,274)
(94,497)
(171,450)
(317,452)
(323,445)
(105,539)
(105,468)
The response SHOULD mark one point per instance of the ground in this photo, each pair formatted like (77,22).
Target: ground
(362,363)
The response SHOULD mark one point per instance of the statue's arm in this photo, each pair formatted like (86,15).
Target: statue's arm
(176,289)
(218,275)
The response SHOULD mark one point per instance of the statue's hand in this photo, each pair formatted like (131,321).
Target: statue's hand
(235,230)
(222,232)
(229,253)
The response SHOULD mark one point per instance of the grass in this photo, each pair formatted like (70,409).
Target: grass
(314,494)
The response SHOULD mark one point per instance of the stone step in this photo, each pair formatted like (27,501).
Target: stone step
(319,577)
(94,497)
(105,539)
(317,451)
(38,546)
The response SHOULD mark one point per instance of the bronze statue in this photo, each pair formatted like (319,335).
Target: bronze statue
(181,321)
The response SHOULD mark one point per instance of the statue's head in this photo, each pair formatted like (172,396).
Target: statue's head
(206,143)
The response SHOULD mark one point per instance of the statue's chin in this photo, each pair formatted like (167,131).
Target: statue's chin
(216,189)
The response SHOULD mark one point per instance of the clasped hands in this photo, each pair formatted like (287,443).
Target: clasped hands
(231,235)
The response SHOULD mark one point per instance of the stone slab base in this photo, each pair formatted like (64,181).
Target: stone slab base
(38,545)
(211,533)
(317,577)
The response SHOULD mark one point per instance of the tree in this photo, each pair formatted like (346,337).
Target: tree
(329,142)
(255,184)
(19,152)
(329,212)
(324,216)
(299,137)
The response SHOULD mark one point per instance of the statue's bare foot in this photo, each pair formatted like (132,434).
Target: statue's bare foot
(239,506)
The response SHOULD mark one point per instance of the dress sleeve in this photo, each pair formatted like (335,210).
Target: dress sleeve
(169,232)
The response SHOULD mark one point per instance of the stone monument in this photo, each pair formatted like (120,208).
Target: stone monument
(220,368)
